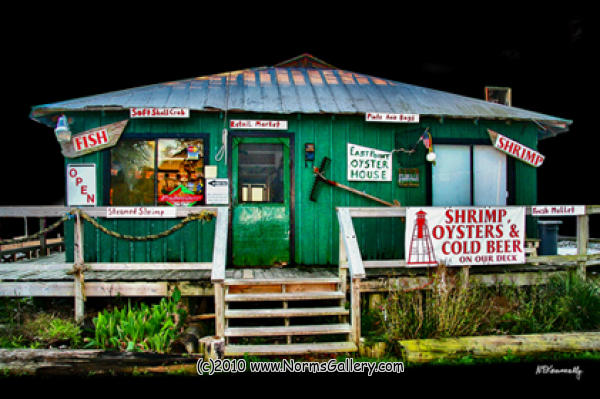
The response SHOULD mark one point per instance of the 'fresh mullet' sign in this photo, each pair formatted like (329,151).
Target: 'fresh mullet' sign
(460,236)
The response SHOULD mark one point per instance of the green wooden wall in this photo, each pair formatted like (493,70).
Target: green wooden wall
(316,227)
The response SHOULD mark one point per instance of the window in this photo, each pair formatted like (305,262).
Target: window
(469,175)
(260,172)
(166,171)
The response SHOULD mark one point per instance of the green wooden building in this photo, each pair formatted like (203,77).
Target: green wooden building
(257,134)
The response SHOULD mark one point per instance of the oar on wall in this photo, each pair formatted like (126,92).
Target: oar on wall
(320,178)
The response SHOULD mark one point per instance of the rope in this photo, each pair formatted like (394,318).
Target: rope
(38,234)
(204,215)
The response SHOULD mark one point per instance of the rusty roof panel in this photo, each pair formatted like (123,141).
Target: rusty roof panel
(287,90)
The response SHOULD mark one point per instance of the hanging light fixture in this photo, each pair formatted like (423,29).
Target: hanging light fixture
(62,131)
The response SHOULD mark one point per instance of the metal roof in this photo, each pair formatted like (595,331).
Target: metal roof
(288,90)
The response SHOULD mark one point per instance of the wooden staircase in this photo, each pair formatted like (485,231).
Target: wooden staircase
(291,316)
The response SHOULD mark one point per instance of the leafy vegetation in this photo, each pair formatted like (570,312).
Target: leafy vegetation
(140,327)
(565,303)
(36,330)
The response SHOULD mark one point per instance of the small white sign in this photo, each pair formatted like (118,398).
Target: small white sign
(258,124)
(368,164)
(217,191)
(159,112)
(460,236)
(145,212)
(81,185)
(394,118)
(558,210)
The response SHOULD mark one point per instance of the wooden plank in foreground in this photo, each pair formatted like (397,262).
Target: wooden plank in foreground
(426,350)
(81,361)
(92,289)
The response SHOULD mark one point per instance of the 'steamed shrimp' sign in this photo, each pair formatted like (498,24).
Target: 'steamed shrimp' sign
(460,236)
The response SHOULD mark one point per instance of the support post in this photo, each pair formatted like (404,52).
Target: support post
(343,269)
(43,250)
(355,312)
(583,235)
(78,275)
(219,310)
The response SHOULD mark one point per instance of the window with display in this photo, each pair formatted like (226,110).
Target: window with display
(260,172)
(166,171)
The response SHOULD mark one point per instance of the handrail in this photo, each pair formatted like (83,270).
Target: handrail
(219,246)
(96,211)
(356,264)
(351,249)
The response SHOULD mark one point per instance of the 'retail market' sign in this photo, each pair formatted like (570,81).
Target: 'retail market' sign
(460,236)
(516,149)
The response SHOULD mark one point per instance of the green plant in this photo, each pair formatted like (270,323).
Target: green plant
(139,328)
(566,303)
(445,310)
(49,329)
(41,330)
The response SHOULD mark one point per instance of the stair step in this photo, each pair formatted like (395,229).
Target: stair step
(290,349)
(279,281)
(290,312)
(287,296)
(287,330)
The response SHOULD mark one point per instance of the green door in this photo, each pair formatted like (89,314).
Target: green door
(261,201)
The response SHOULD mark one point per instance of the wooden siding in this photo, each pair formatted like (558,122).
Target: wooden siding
(316,227)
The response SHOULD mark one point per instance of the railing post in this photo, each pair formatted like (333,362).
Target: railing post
(218,268)
(583,235)
(43,249)
(343,269)
(78,275)
(355,311)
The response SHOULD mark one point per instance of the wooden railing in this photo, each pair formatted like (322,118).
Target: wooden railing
(76,289)
(351,261)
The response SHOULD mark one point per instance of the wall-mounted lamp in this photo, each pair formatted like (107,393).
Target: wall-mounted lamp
(62,131)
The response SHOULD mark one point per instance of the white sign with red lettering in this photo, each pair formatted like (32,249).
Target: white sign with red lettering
(258,124)
(81,185)
(558,210)
(144,212)
(459,236)
(516,149)
(159,112)
(91,139)
(394,118)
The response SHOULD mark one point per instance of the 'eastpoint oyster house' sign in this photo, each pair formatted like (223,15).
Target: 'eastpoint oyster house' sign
(368,164)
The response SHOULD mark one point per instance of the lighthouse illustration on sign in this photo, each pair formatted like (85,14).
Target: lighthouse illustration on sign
(421,248)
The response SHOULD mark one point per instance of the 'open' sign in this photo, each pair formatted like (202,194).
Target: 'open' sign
(81,185)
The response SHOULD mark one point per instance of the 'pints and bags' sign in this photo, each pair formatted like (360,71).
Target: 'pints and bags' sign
(460,236)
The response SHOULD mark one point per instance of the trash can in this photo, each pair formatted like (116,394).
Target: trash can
(548,230)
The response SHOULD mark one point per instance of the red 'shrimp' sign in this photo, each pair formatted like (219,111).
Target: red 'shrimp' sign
(516,149)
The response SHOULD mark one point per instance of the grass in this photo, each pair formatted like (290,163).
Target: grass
(566,303)
(41,330)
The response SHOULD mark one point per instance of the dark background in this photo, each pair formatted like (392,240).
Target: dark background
(62,53)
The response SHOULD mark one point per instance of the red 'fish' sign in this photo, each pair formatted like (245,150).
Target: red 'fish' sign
(516,149)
